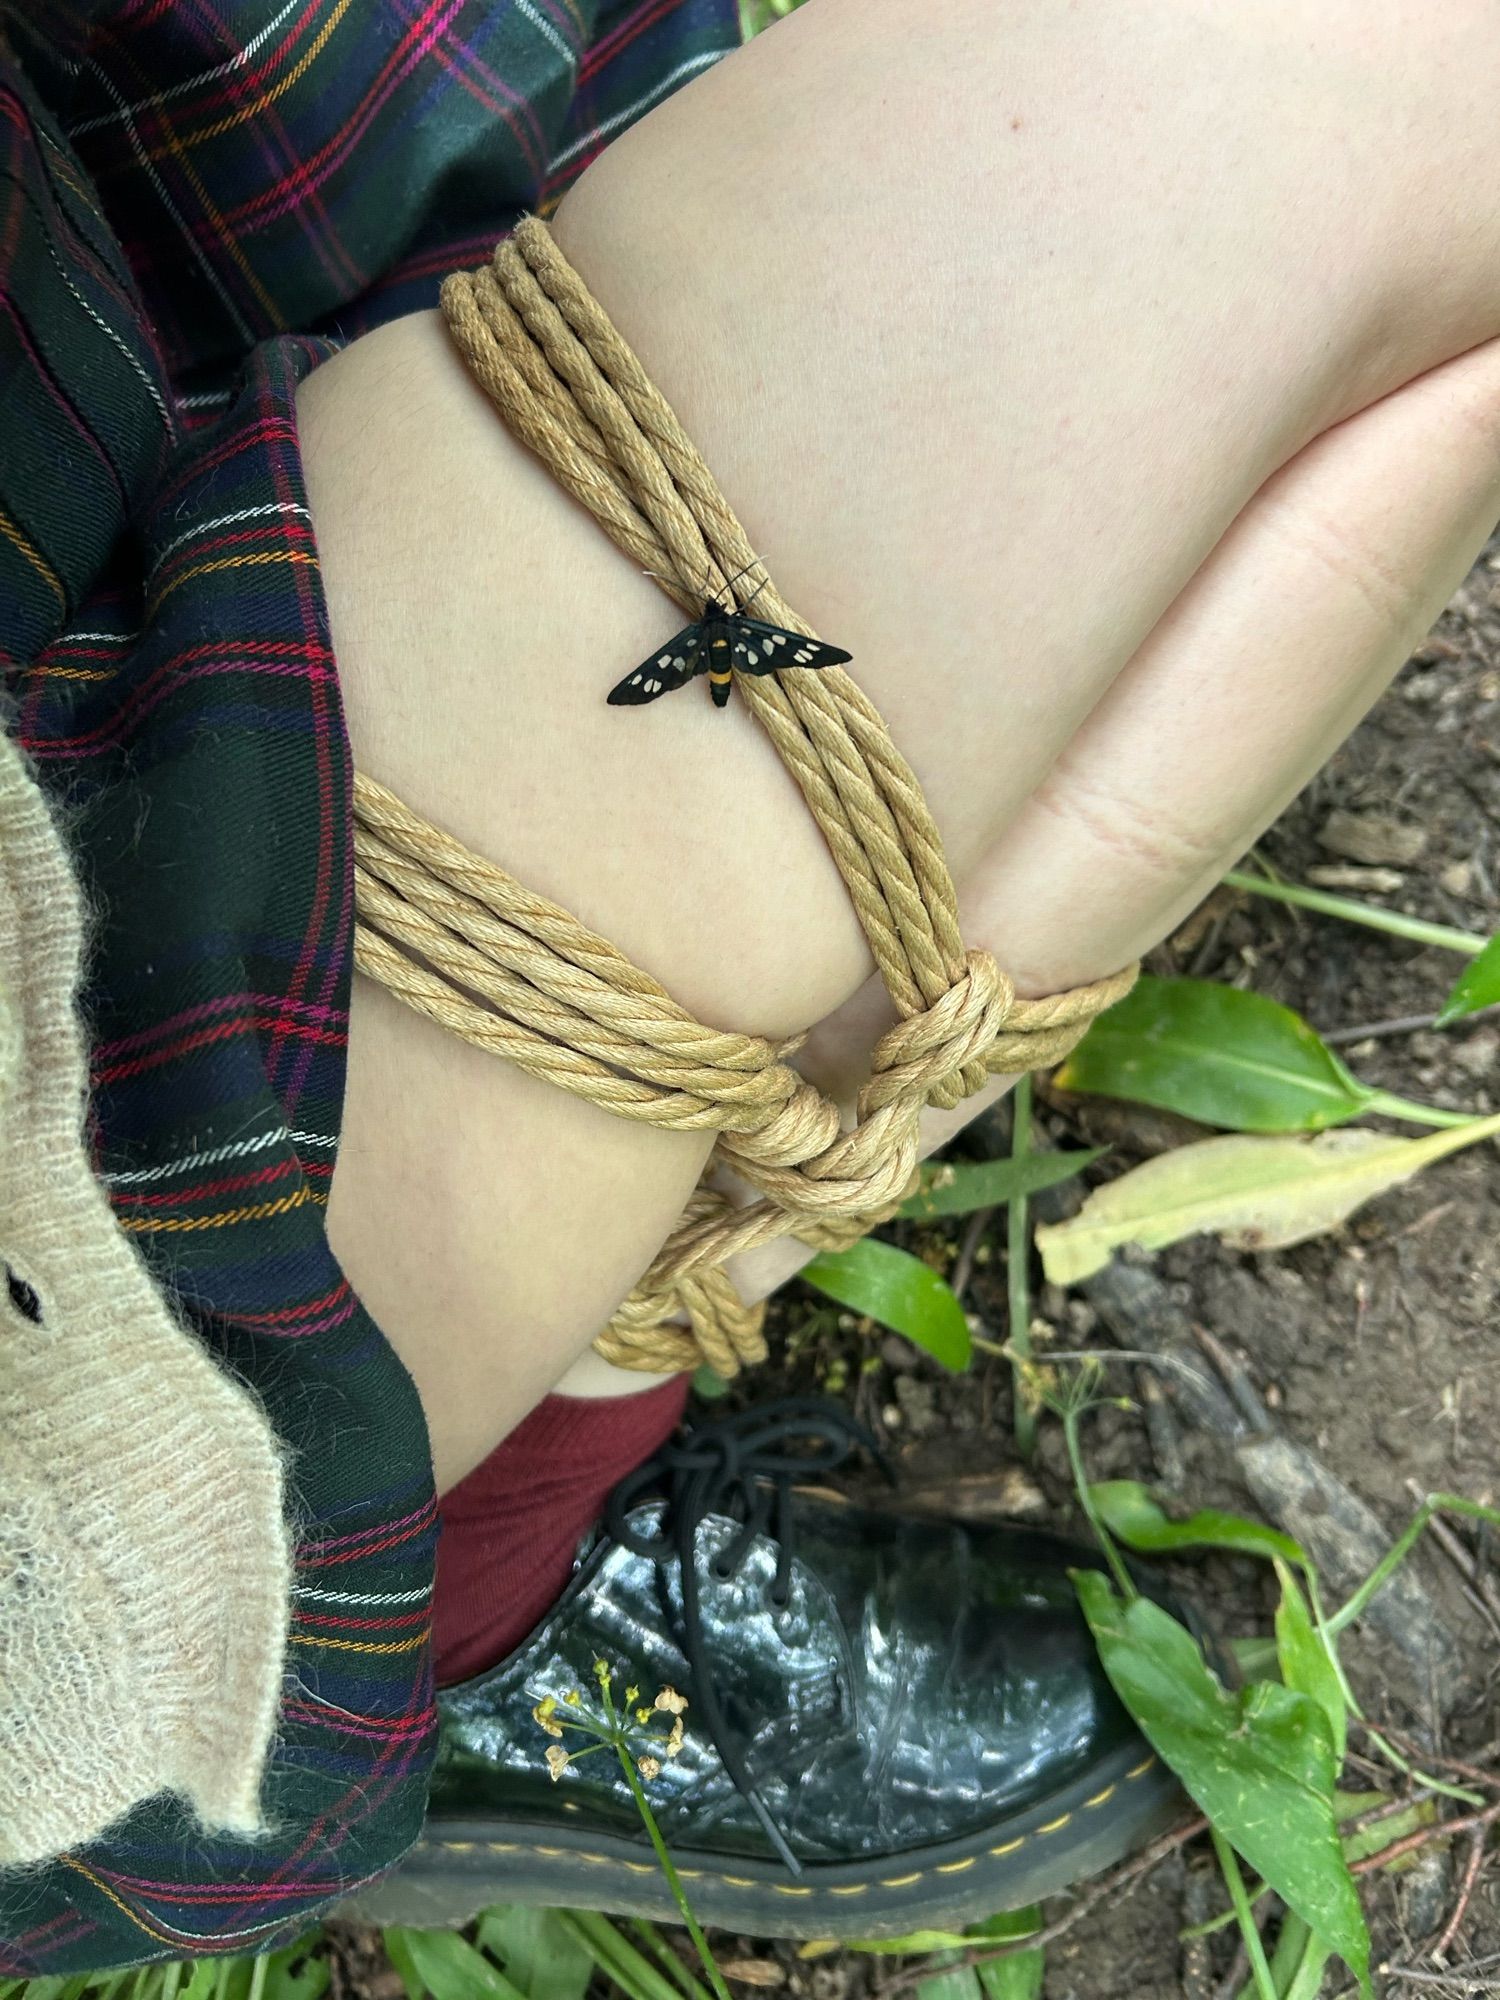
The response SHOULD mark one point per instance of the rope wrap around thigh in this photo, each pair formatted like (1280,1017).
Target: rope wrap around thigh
(563,1002)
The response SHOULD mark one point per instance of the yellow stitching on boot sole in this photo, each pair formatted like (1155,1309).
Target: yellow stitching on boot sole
(746,1882)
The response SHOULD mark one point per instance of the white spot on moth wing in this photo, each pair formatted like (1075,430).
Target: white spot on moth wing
(803,655)
(663,660)
(676,659)
(652,686)
(752,656)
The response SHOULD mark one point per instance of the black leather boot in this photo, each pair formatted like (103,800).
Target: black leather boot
(892,1722)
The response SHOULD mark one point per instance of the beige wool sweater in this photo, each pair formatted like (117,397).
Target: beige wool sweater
(145,1555)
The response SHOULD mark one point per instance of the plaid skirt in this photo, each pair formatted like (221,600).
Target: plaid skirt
(198,205)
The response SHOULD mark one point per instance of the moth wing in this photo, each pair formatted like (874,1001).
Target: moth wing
(667,668)
(760,648)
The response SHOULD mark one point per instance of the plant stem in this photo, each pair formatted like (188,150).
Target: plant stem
(1086,1500)
(1264,1984)
(1394,921)
(1017,1285)
(258,1977)
(674,1883)
(1415,1114)
(1454,1503)
(657,1945)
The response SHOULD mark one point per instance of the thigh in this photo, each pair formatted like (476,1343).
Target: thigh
(985,389)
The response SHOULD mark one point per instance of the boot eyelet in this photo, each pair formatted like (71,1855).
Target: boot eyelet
(778,1600)
(719,1570)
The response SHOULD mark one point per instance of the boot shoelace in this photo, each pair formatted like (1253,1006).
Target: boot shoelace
(743,1466)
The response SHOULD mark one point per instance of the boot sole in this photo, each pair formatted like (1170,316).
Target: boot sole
(462,1866)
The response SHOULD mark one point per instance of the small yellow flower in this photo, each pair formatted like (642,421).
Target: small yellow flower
(643,1716)
(670,1702)
(648,1767)
(674,1741)
(542,1716)
(632,1694)
(557,1761)
(572,1697)
(604,1673)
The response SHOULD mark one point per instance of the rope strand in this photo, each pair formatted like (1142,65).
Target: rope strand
(564,1003)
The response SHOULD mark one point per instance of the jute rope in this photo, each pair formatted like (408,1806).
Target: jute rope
(563,1002)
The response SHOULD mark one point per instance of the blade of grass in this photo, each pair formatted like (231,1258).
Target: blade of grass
(657,1945)
(617,1957)
(1017,1277)
(1395,922)
(1265,1986)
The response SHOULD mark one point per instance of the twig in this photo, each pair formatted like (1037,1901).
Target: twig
(1475,1773)
(1454,1981)
(963,1267)
(1235,1377)
(1442,1829)
(1118,1878)
(1400,1024)
(1465,1894)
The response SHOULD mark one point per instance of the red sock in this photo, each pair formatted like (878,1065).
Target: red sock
(511,1527)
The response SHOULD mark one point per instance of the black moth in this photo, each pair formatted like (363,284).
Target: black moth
(719,642)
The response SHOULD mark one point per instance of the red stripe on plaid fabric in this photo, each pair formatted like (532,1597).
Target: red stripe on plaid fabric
(269,204)
(314,1555)
(175,1022)
(623,34)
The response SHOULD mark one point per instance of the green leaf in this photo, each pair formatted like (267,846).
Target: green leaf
(1001,1929)
(901,1292)
(1216,1054)
(1478,985)
(958,1982)
(1304,1660)
(202,1980)
(958,1187)
(308,1983)
(546,1961)
(1133,1517)
(1018,1978)
(1257,1193)
(1260,1763)
(447,1966)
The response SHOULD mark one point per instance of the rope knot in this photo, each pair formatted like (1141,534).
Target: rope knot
(564,1003)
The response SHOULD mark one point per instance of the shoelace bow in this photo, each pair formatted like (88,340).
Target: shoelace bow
(740,1466)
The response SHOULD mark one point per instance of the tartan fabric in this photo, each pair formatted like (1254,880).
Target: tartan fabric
(200,201)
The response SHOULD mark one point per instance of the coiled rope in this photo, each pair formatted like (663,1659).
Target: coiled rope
(563,1002)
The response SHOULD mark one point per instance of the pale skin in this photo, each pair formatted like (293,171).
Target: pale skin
(1129,423)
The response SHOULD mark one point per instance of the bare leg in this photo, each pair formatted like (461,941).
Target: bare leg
(980,441)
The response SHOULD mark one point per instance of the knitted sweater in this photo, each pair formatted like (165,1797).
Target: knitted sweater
(141,1642)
